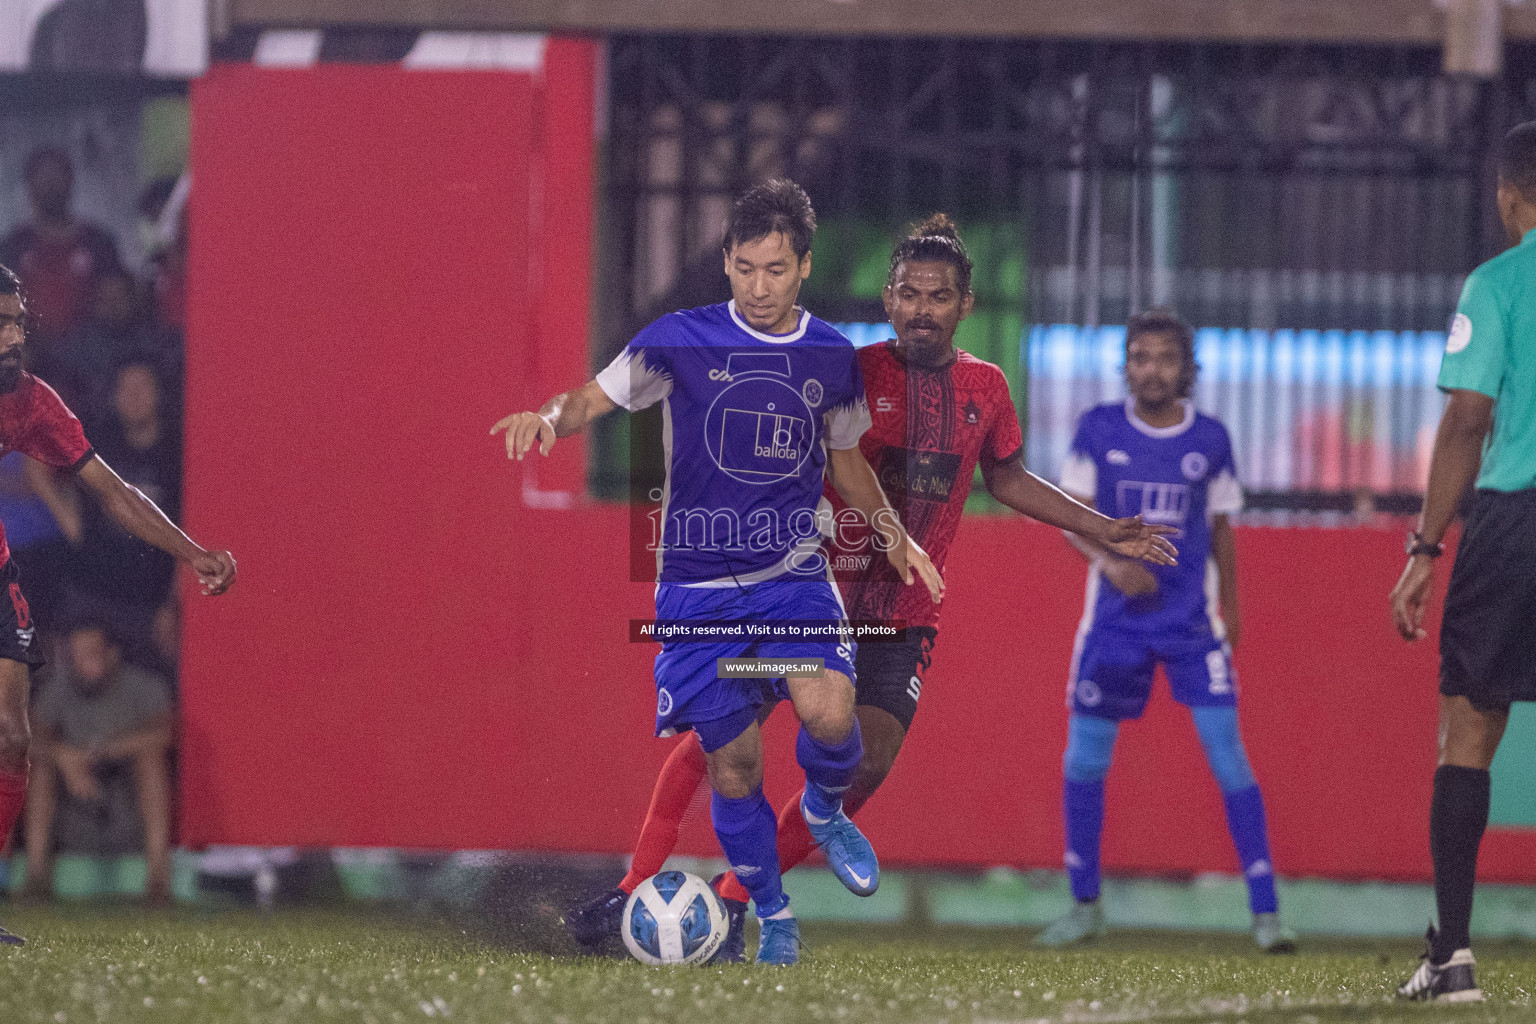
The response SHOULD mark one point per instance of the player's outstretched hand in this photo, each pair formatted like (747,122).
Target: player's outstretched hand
(1133,538)
(1410,596)
(909,556)
(215,571)
(524,428)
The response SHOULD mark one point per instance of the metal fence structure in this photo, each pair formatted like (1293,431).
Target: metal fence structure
(1311,209)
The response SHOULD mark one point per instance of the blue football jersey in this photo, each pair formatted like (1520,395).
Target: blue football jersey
(1179,476)
(746,421)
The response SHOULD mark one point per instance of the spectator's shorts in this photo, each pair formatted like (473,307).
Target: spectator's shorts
(18,634)
(891,675)
(689,691)
(1112,672)
(1488,635)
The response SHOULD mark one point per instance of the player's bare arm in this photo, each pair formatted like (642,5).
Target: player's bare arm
(1025,492)
(1453,466)
(566,414)
(855,480)
(143,518)
(1129,575)
(1224,551)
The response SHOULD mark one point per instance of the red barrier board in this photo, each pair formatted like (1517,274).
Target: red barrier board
(416,657)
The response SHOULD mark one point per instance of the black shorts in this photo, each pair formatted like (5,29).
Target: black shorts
(1488,635)
(890,676)
(18,634)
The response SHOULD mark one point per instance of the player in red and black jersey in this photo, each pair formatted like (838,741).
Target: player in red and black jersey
(938,412)
(35,422)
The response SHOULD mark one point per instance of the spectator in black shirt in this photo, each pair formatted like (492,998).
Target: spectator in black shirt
(114,335)
(118,575)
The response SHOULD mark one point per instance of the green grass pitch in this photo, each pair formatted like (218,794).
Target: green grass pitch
(124,967)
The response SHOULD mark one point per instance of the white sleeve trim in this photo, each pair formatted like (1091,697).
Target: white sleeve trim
(1225,495)
(846,424)
(1080,476)
(633,385)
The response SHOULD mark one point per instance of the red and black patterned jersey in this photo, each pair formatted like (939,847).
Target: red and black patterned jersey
(930,430)
(35,421)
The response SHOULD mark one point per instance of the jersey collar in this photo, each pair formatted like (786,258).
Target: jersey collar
(1151,431)
(774,339)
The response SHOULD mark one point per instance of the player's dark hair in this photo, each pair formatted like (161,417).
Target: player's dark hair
(778,206)
(10,284)
(936,239)
(1159,320)
(1517,158)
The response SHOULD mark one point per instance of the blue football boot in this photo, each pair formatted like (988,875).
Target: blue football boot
(779,944)
(734,949)
(7,939)
(848,853)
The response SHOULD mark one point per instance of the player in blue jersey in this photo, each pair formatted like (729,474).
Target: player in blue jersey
(1155,456)
(760,402)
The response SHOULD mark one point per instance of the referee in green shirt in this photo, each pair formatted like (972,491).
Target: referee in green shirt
(1488,635)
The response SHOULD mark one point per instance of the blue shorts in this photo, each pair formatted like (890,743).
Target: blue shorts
(689,692)
(1112,672)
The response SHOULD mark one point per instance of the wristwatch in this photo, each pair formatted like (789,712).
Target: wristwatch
(1417,545)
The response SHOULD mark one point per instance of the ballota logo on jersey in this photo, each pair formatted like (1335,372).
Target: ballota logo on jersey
(759,428)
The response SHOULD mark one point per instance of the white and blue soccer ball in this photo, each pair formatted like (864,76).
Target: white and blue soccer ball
(674,918)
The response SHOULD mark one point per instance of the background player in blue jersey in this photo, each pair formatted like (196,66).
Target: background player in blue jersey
(760,401)
(1156,457)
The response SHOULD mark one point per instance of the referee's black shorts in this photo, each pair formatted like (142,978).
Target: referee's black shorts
(1488,637)
(890,675)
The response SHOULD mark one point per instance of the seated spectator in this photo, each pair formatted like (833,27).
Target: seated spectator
(113,334)
(100,784)
(116,575)
(56,256)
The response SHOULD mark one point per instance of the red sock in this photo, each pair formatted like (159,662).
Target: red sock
(795,844)
(675,787)
(13,797)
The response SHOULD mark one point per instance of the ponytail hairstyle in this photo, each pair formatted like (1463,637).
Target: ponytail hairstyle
(936,240)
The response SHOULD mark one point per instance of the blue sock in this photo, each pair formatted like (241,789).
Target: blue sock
(829,769)
(1090,745)
(1084,806)
(1245,806)
(1250,834)
(748,832)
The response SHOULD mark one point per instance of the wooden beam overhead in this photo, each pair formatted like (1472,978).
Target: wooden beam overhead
(1360,21)
(1410,22)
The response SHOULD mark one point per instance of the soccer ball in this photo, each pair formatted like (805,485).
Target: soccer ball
(674,918)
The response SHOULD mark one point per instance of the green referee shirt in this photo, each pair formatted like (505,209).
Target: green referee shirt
(1491,349)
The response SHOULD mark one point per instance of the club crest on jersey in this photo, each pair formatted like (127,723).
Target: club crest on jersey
(663,703)
(1194,466)
(972,412)
(812,392)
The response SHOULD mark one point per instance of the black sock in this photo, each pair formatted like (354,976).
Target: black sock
(1458,816)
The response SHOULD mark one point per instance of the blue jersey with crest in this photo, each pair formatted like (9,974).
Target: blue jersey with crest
(1179,476)
(747,417)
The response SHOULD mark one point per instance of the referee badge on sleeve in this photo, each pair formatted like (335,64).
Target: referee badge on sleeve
(1460,335)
